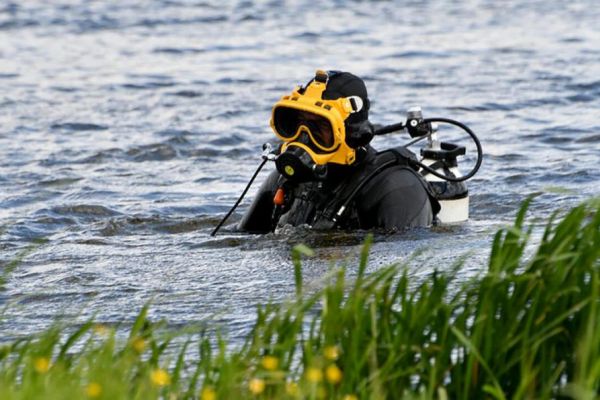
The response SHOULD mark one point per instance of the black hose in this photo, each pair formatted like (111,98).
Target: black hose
(389,129)
(401,125)
(237,203)
(475,140)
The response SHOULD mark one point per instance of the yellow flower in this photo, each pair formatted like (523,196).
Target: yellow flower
(314,375)
(256,386)
(41,365)
(333,374)
(101,330)
(138,344)
(291,388)
(350,397)
(160,377)
(331,353)
(93,390)
(208,393)
(270,363)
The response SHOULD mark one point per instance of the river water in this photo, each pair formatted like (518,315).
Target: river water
(128,129)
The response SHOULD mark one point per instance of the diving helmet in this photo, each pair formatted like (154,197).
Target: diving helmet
(323,122)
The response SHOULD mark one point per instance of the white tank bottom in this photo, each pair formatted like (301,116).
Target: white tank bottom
(454,210)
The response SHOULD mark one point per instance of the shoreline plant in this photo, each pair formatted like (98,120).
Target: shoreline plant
(527,328)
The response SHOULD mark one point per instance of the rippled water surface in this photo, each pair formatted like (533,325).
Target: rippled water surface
(127,129)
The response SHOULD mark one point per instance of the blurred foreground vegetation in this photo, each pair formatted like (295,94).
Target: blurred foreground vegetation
(529,327)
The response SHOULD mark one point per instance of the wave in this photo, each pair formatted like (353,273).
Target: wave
(78,126)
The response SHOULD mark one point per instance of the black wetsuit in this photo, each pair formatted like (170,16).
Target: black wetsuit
(395,198)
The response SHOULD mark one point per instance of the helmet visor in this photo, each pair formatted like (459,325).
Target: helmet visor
(289,122)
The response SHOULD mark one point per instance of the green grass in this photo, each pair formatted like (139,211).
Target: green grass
(527,328)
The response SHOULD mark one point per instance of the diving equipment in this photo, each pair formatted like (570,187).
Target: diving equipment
(296,164)
(325,154)
(321,123)
(439,164)
(452,196)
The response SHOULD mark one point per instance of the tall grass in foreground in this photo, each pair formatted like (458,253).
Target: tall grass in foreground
(528,328)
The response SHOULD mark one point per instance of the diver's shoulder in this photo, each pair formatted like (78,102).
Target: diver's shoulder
(374,159)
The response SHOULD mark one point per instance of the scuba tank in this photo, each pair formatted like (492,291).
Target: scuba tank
(438,164)
(442,157)
(452,196)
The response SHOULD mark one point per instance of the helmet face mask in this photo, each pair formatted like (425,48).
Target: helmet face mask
(305,119)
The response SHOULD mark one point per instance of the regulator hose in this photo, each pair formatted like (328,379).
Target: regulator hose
(401,125)
(475,140)
(239,200)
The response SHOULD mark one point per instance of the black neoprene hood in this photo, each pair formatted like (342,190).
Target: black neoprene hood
(345,84)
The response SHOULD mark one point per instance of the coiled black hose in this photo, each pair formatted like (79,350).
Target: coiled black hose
(475,140)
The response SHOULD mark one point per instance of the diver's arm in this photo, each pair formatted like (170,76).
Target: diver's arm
(394,199)
(257,218)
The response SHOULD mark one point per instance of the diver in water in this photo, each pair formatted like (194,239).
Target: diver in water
(328,175)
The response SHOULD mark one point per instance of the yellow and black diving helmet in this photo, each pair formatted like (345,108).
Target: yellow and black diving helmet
(321,123)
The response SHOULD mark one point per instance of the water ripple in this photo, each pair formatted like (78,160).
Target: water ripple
(84,210)
(130,128)
(178,50)
(188,93)
(78,126)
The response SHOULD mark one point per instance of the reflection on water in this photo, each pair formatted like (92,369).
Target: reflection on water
(128,129)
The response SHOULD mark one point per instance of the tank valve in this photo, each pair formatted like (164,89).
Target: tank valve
(414,123)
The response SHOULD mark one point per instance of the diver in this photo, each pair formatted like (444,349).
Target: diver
(327,173)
